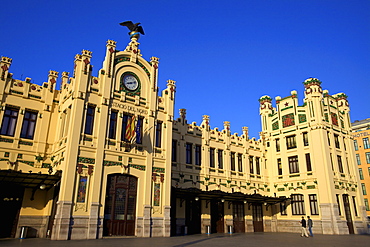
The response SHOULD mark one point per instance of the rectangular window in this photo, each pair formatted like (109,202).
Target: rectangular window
(290,142)
(354,205)
(277,144)
(366,143)
(297,204)
(368,170)
(212,157)
(158,134)
(220,159)
(344,144)
(293,164)
(348,166)
(367,158)
(189,154)
(328,134)
(308,163)
(363,186)
(355,144)
(198,155)
(9,121)
(360,173)
(331,161)
(367,204)
(139,130)
(283,207)
(251,165)
(338,202)
(113,125)
(305,138)
(313,204)
(125,120)
(232,161)
(89,124)
(240,162)
(174,151)
(358,159)
(336,141)
(258,167)
(29,124)
(280,167)
(340,165)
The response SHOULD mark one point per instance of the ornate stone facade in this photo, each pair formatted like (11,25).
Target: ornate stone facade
(75,172)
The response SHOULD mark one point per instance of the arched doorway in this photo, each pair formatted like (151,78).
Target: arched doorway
(120,205)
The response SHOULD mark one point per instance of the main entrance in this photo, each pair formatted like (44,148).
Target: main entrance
(120,205)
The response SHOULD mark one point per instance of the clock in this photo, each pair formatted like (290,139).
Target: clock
(130,82)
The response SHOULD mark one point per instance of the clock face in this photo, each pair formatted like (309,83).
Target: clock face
(130,82)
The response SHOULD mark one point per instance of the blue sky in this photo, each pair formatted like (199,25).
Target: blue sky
(223,55)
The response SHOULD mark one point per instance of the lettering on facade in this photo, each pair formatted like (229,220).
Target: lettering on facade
(129,108)
(361,134)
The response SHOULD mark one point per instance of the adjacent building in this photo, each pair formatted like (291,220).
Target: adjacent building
(104,156)
(361,136)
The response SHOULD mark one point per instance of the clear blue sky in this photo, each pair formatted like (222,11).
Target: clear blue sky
(224,55)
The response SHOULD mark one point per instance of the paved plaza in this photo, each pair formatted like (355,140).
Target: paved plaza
(214,240)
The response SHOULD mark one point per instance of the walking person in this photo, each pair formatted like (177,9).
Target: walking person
(303,229)
(310,225)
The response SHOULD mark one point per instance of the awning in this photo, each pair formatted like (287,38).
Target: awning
(190,193)
(29,180)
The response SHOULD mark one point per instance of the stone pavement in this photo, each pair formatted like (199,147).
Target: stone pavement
(214,240)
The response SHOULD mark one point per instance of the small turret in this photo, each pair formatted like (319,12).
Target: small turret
(227,127)
(52,79)
(312,87)
(205,122)
(265,104)
(245,132)
(5,63)
(183,115)
(342,101)
(109,57)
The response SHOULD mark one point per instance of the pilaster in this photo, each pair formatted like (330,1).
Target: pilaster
(62,221)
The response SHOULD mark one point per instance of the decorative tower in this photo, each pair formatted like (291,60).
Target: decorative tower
(265,110)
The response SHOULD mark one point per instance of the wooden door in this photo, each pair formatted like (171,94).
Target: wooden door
(120,205)
(257,217)
(347,211)
(238,217)
(217,217)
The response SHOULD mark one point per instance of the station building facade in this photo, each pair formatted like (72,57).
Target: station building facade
(361,136)
(104,156)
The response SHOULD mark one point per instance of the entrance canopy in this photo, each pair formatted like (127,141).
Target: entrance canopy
(219,195)
(29,180)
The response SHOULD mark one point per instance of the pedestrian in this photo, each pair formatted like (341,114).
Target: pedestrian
(310,225)
(303,229)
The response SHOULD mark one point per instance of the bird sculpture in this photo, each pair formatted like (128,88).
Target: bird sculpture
(133,27)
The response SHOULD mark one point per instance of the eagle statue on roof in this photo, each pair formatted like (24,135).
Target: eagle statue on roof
(135,29)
